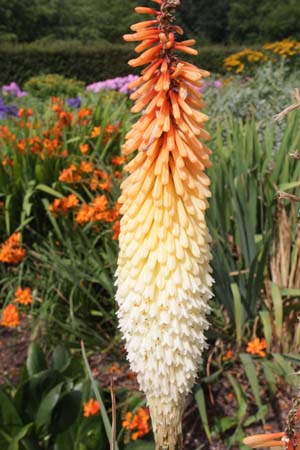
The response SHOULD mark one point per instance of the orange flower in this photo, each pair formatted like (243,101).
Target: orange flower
(65,119)
(23,296)
(84,148)
(21,145)
(10,250)
(116,230)
(84,112)
(115,369)
(25,112)
(86,167)
(8,162)
(228,355)
(91,408)
(138,423)
(85,214)
(95,132)
(63,205)
(70,175)
(10,316)
(257,347)
(118,160)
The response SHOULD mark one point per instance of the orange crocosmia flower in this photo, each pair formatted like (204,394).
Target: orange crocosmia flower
(95,132)
(118,160)
(138,423)
(94,183)
(84,148)
(116,230)
(84,112)
(10,316)
(100,203)
(105,185)
(10,250)
(23,296)
(70,175)
(115,369)
(86,167)
(228,355)
(90,408)
(63,205)
(8,162)
(23,112)
(257,347)
(85,214)
(65,119)
(21,145)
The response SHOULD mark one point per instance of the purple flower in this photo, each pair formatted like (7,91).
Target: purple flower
(7,110)
(74,102)
(217,84)
(13,89)
(119,84)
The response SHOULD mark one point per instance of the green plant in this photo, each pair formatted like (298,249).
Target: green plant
(44,86)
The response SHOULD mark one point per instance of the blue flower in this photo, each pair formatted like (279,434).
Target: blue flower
(7,110)
(74,102)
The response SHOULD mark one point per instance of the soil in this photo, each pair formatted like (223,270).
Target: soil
(13,351)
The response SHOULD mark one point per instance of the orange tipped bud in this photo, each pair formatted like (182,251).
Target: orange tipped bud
(144,10)
(265,440)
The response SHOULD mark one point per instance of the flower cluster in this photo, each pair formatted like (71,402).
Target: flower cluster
(120,84)
(13,89)
(257,347)
(11,251)
(91,408)
(10,314)
(284,48)
(247,58)
(238,61)
(137,423)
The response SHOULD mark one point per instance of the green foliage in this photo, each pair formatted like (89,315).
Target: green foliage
(45,404)
(260,21)
(70,59)
(85,62)
(53,85)
(88,21)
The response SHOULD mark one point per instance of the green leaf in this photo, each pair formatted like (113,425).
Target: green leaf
(35,362)
(200,399)
(15,443)
(240,398)
(103,412)
(287,186)
(61,358)
(290,292)
(44,413)
(278,307)
(49,190)
(267,326)
(238,313)
(66,412)
(9,418)
(252,376)
(268,368)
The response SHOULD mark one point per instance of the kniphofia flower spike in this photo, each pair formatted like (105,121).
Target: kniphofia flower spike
(163,274)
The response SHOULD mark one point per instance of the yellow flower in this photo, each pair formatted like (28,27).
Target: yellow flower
(163,274)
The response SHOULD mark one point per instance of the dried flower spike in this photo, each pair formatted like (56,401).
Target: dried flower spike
(163,274)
